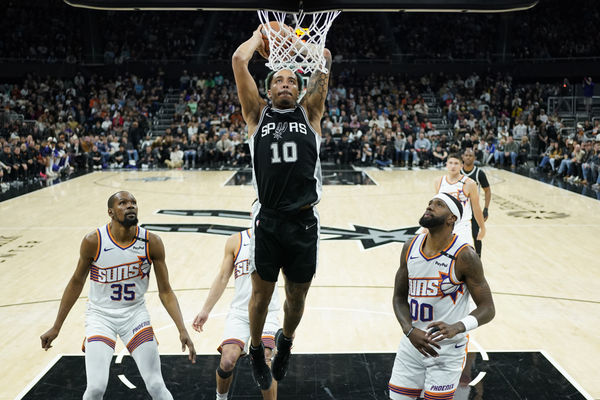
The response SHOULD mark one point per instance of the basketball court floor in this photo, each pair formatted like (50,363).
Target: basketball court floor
(541,258)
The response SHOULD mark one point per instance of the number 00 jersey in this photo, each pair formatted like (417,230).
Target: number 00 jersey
(119,276)
(285,160)
(434,291)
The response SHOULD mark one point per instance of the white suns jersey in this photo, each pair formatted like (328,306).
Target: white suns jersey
(456,190)
(119,276)
(243,280)
(434,292)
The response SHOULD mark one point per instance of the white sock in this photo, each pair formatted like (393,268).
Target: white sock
(222,396)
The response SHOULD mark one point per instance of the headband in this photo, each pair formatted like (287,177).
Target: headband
(453,204)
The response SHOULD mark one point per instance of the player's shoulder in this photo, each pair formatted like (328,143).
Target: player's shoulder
(466,257)
(234,241)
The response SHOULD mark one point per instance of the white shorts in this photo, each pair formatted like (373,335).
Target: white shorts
(438,377)
(132,325)
(464,232)
(237,330)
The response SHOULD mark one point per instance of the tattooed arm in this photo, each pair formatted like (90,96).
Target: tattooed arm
(316,94)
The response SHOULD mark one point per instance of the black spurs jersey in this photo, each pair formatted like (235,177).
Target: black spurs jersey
(478,176)
(285,160)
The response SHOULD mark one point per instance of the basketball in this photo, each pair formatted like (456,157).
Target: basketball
(283,37)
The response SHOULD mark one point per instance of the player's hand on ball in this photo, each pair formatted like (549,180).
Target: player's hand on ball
(186,341)
(423,343)
(438,331)
(48,337)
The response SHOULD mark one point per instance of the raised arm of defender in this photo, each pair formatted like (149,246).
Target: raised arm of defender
(247,91)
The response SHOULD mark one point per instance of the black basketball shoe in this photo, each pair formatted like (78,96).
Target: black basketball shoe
(281,361)
(260,369)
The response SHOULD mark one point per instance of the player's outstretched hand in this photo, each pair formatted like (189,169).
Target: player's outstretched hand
(423,343)
(48,337)
(438,331)
(187,342)
(199,321)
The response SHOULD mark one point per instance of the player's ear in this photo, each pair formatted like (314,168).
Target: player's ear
(110,212)
(452,219)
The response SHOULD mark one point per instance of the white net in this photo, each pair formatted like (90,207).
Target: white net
(299,44)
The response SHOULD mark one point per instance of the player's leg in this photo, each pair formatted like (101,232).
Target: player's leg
(408,373)
(230,353)
(235,336)
(257,310)
(302,241)
(442,378)
(265,254)
(98,355)
(271,393)
(136,331)
(272,325)
(148,361)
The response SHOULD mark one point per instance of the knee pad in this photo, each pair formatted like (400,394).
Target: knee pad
(224,374)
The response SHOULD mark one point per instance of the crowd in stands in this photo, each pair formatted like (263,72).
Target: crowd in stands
(385,121)
(50,31)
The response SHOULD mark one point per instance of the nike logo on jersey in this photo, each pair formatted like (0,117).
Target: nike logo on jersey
(413,257)
(310,226)
(459,346)
(105,249)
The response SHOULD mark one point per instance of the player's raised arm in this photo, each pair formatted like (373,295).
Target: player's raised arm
(87,253)
(166,294)
(247,90)
(220,283)
(316,93)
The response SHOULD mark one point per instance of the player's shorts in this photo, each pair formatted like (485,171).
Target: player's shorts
(131,324)
(437,376)
(237,330)
(287,242)
(464,232)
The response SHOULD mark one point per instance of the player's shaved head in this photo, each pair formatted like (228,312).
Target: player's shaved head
(115,196)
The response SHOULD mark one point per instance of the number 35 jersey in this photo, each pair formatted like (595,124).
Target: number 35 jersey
(119,276)
(434,291)
(285,160)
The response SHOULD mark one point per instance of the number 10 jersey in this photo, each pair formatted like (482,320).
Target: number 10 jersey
(285,160)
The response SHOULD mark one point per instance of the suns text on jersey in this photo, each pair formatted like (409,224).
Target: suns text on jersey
(241,268)
(117,273)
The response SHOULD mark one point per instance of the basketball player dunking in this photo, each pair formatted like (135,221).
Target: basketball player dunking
(237,326)
(118,258)
(438,273)
(465,190)
(478,175)
(284,142)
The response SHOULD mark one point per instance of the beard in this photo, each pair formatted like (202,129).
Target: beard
(431,222)
(129,222)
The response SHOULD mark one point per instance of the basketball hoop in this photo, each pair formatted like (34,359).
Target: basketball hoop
(301,47)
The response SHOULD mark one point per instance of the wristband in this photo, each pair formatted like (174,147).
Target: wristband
(485,212)
(410,331)
(470,323)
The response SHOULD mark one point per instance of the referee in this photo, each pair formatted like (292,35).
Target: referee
(471,171)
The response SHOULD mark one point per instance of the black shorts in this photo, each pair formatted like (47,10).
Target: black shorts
(285,242)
